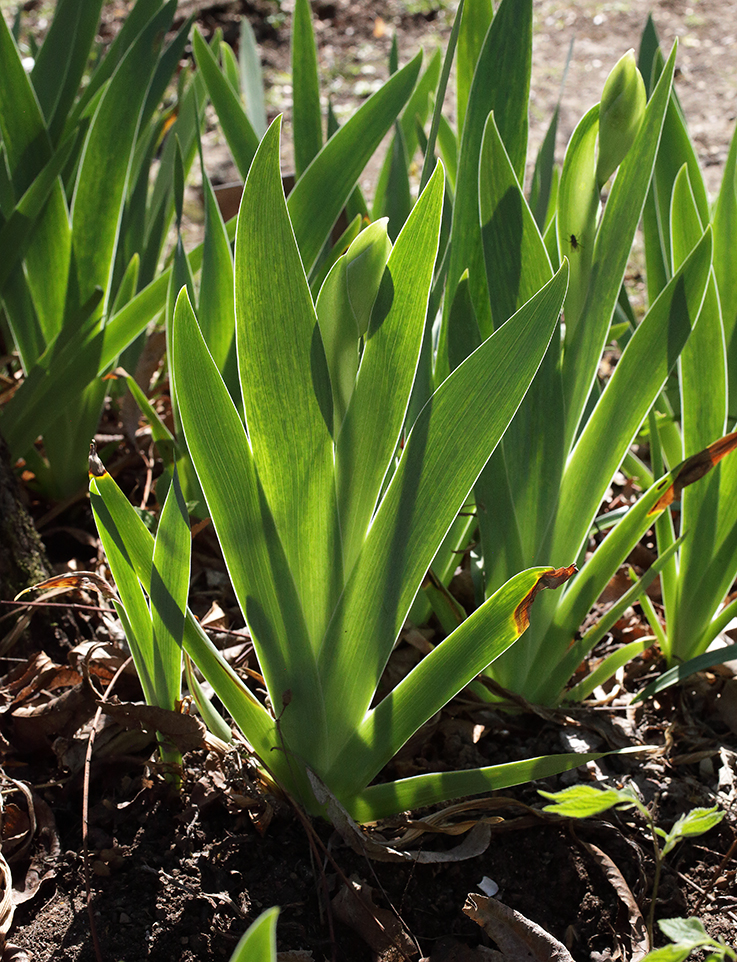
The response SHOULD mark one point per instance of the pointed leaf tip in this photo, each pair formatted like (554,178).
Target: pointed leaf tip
(552,578)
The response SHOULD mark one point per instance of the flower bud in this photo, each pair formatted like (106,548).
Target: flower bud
(365,262)
(620,115)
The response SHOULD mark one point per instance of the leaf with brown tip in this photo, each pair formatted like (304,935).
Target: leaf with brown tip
(553,578)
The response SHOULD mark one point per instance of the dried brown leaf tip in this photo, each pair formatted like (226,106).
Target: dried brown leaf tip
(694,468)
(96,467)
(72,581)
(552,578)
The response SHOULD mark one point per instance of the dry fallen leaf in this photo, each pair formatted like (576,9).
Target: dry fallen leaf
(185,731)
(637,934)
(35,726)
(379,928)
(517,937)
(6,901)
(41,828)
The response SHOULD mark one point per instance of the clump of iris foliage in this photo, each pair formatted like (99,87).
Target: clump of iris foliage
(353,412)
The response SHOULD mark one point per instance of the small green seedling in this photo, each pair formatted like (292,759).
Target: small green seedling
(582,801)
(687,936)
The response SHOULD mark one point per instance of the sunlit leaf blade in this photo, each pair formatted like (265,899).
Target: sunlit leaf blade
(168,592)
(103,174)
(259,942)
(289,403)
(34,298)
(608,668)
(62,59)
(139,629)
(579,648)
(13,236)
(725,263)
(675,151)
(404,144)
(703,359)
(375,416)
(450,442)
(26,142)
(597,571)
(324,188)
(252,550)
(389,798)
(23,321)
(367,256)
(212,718)
(501,83)
(542,179)
(306,115)
(708,563)
(168,62)
(216,306)
(531,454)
(577,212)
(637,380)
(516,261)
(448,147)
(449,612)
(229,65)
(317,277)
(474,25)
(140,16)
(252,81)
(53,382)
(96,214)
(160,208)
(397,201)
(680,673)
(611,250)
(165,440)
(482,637)
(119,524)
(437,114)
(463,330)
(240,135)
(136,621)
(418,106)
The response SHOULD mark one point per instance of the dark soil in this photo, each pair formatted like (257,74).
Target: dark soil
(180,877)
